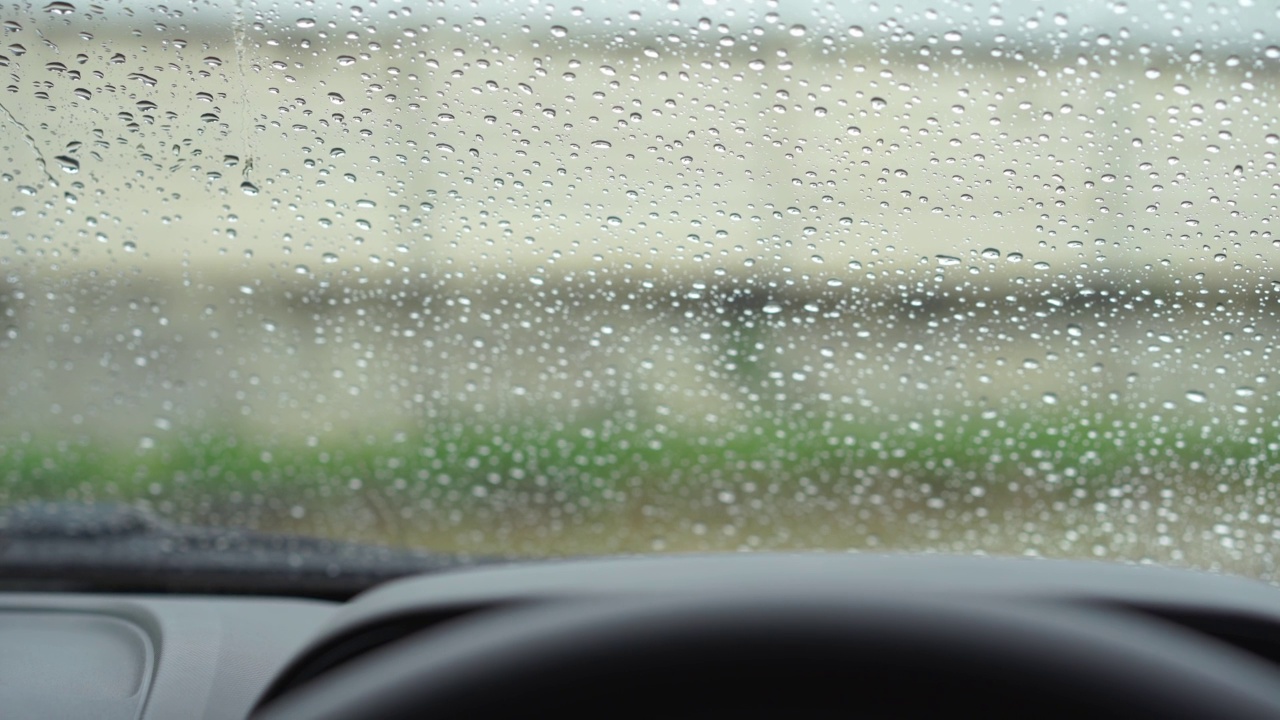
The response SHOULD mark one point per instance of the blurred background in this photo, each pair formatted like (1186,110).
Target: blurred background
(535,279)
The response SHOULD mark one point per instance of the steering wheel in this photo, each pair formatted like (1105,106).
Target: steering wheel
(779,657)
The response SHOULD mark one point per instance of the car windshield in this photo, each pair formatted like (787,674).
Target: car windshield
(538,278)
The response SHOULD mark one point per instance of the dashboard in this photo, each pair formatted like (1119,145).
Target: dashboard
(649,629)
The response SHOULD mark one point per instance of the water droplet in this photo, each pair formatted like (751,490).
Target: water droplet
(990,254)
(602,144)
(59,8)
(336,98)
(559,31)
(947,260)
(1196,396)
(1049,398)
(305,23)
(771,309)
(248,188)
(68,164)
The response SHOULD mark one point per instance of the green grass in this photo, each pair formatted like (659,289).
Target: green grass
(468,463)
(1191,490)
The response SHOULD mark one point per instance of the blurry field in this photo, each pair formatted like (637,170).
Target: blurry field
(452,286)
(1133,421)
(683,430)
(1061,486)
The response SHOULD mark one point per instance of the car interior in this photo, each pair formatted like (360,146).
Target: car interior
(727,635)
(476,358)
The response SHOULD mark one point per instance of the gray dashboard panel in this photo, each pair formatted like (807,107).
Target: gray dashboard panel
(87,656)
(73,664)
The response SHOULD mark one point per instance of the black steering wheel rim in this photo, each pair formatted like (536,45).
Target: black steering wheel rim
(779,656)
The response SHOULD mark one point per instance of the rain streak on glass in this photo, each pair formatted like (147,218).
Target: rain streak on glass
(540,279)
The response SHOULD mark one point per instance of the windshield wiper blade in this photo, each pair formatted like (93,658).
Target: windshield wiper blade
(116,547)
